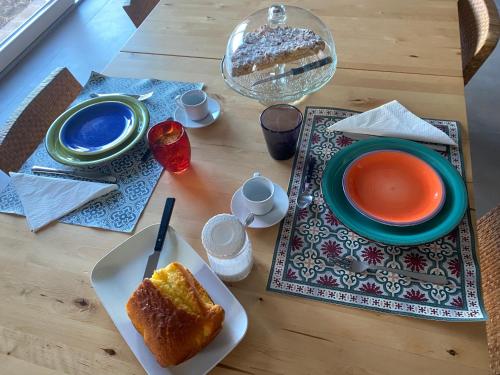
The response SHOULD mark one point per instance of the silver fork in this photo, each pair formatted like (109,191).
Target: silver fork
(140,98)
(358,266)
(306,198)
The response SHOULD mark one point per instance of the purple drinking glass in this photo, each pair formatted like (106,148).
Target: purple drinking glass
(281,127)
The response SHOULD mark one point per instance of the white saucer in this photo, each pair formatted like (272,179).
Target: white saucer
(239,209)
(213,108)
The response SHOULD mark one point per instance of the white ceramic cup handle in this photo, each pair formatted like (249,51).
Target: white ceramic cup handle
(179,101)
(256,174)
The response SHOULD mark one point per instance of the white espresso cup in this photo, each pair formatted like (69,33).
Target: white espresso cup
(194,103)
(258,193)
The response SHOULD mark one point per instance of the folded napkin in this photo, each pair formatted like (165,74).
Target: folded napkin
(46,199)
(392,120)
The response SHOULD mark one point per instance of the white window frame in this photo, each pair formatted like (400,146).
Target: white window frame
(24,36)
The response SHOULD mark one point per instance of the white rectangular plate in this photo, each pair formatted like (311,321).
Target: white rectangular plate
(119,273)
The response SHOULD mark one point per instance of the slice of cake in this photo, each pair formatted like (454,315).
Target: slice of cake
(268,46)
(174,314)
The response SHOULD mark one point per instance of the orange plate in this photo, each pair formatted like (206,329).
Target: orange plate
(393,187)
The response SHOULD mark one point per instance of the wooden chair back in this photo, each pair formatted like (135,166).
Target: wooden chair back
(488,228)
(28,125)
(479,33)
(138,10)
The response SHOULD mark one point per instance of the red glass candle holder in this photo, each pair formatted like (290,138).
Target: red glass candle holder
(169,144)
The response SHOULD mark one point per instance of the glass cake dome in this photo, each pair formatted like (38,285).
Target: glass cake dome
(276,40)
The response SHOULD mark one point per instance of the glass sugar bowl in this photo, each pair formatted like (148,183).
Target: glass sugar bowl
(228,247)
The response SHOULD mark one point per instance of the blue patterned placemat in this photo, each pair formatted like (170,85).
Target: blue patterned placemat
(119,210)
(308,237)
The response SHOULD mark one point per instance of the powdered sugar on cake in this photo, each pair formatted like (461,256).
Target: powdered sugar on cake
(268,46)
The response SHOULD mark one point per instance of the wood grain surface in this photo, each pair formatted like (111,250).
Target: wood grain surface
(51,321)
(385,35)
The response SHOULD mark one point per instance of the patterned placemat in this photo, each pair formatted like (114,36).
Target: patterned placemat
(120,210)
(308,237)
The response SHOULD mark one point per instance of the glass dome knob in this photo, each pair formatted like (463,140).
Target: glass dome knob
(276,15)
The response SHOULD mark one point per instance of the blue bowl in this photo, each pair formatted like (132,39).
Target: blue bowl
(98,128)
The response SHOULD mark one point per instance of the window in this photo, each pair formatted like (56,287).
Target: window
(23,21)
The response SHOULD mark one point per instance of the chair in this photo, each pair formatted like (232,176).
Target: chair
(479,33)
(27,127)
(138,10)
(488,228)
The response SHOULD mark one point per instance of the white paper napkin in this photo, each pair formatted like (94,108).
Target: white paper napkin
(46,199)
(392,120)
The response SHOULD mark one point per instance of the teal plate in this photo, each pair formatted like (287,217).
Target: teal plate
(63,156)
(444,222)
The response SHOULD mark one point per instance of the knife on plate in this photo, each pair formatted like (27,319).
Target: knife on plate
(296,71)
(162,232)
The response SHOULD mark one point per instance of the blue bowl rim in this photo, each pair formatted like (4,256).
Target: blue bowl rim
(108,147)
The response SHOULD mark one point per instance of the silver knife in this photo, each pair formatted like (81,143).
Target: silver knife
(162,232)
(96,176)
(296,71)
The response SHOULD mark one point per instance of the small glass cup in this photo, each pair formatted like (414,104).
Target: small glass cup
(170,145)
(228,247)
(281,127)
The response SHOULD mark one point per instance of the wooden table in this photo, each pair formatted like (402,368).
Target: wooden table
(50,318)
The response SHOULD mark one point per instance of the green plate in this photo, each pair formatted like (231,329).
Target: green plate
(445,221)
(63,156)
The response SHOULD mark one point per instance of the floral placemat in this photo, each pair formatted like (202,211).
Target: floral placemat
(309,237)
(120,210)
